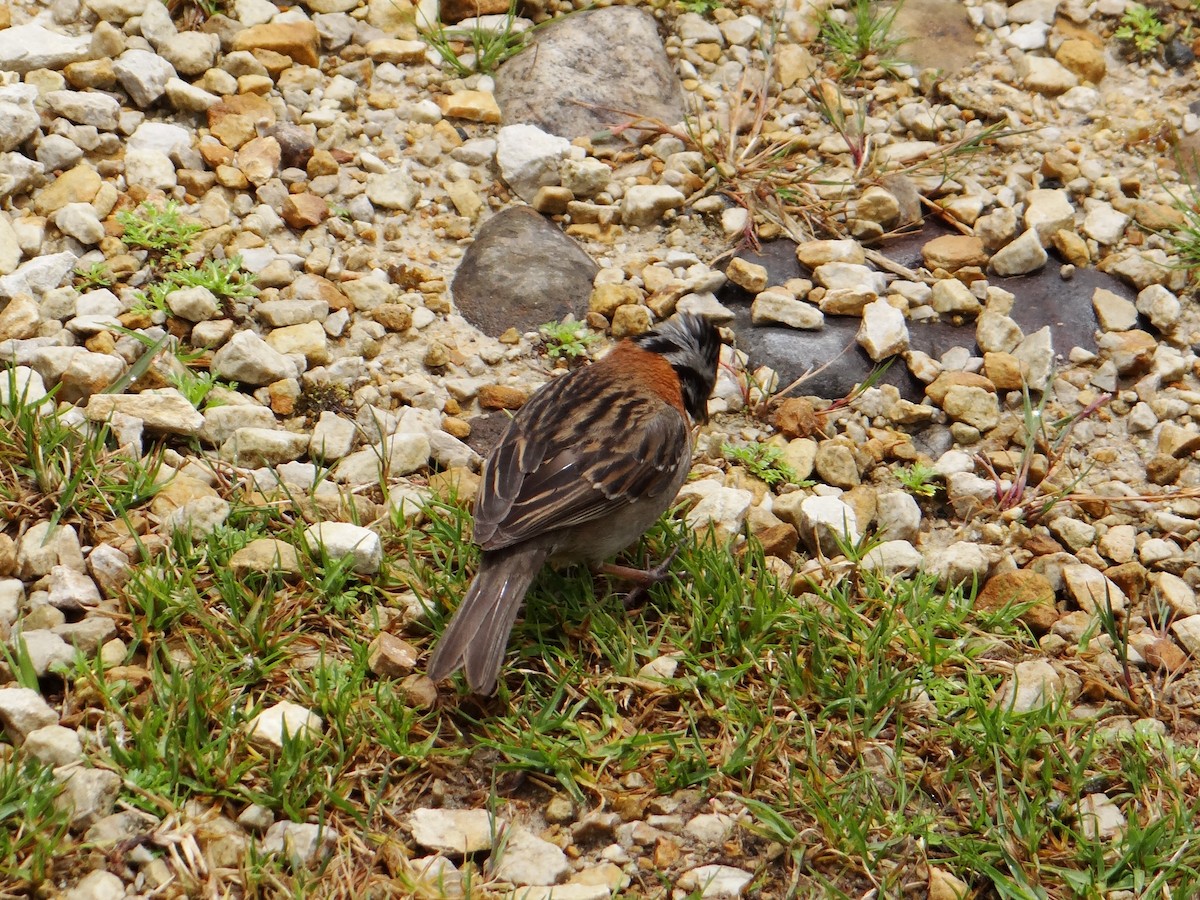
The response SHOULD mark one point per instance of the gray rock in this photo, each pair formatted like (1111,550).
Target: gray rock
(521,272)
(400,454)
(893,558)
(338,540)
(220,422)
(41,548)
(564,86)
(1100,819)
(88,795)
(23,711)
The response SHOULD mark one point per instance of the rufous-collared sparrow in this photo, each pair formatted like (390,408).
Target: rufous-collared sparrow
(584,468)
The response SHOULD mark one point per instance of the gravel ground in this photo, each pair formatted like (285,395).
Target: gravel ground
(381,202)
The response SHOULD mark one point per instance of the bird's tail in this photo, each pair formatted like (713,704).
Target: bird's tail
(478,633)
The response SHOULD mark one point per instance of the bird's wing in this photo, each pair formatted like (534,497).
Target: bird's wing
(567,458)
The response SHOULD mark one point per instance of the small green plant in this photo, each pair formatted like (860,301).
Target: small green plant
(764,461)
(223,277)
(1141,26)
(568,339)
(918,479)
(483,48)
(701,7)
(160,230)
(1185,238)
(865,43)
(94,276)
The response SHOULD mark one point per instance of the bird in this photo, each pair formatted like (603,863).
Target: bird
(584,467)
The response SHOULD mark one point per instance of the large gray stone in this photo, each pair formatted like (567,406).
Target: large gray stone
(590,72)
(522,272)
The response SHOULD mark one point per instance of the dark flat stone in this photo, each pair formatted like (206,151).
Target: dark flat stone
(1043,298)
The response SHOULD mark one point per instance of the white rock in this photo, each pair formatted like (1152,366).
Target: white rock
(1104,224)
(883,331)
(269,727)
(1091,590)
(196,304)
(70,589)
(1160,306)
(332,437)
(722,507)
(150,169)
(1034,684)
(455,832)
(88,795)
(1041,73)
(529,158)
(771,307)
(1113,312)
(393,190)
(1187,632)
(338,540)
(255,447)
(248,359)
(893,558)
(163,410)
(47,651)
(962,562)
(1100,818)
(38,275)
(86,108)
(849,276)
(144,75)
(303,844)
(898,516)
(644,204)
(54,745)
(24,48)
(715,882)
(826,522)
(23,711)
(527,859)
(99,884)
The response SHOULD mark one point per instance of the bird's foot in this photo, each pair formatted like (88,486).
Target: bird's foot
(641,579)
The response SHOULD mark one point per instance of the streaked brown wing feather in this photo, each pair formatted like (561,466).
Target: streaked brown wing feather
(550,473)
